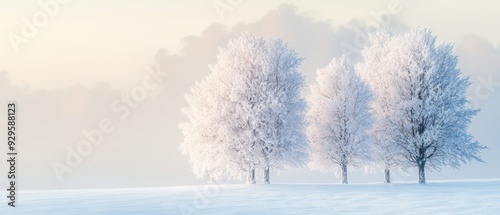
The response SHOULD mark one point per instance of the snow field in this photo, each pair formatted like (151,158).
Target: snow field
(445,197)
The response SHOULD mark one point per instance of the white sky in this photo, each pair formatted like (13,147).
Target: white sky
(91,41)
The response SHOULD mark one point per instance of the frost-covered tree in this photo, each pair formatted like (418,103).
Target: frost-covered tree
(374,70)
(428,114)
(248,113)
(339,119)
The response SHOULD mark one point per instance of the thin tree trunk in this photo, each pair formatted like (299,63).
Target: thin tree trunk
(251,174)
(387,178)
(421,173)
(266,175)
(344,174)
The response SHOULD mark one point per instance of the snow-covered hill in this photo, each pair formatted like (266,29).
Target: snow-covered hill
(438,197)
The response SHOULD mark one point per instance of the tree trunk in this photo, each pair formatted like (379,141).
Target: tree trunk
(251,174)
(266,175)
(387,178)
(344,174)
(421,173)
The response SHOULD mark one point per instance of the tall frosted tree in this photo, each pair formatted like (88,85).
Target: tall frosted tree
(247,114)
(374,70)
(339,119)
(428,114)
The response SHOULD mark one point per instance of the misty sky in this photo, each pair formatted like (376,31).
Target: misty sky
(88,56)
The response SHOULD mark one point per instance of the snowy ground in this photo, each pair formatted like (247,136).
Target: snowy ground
(450,197)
